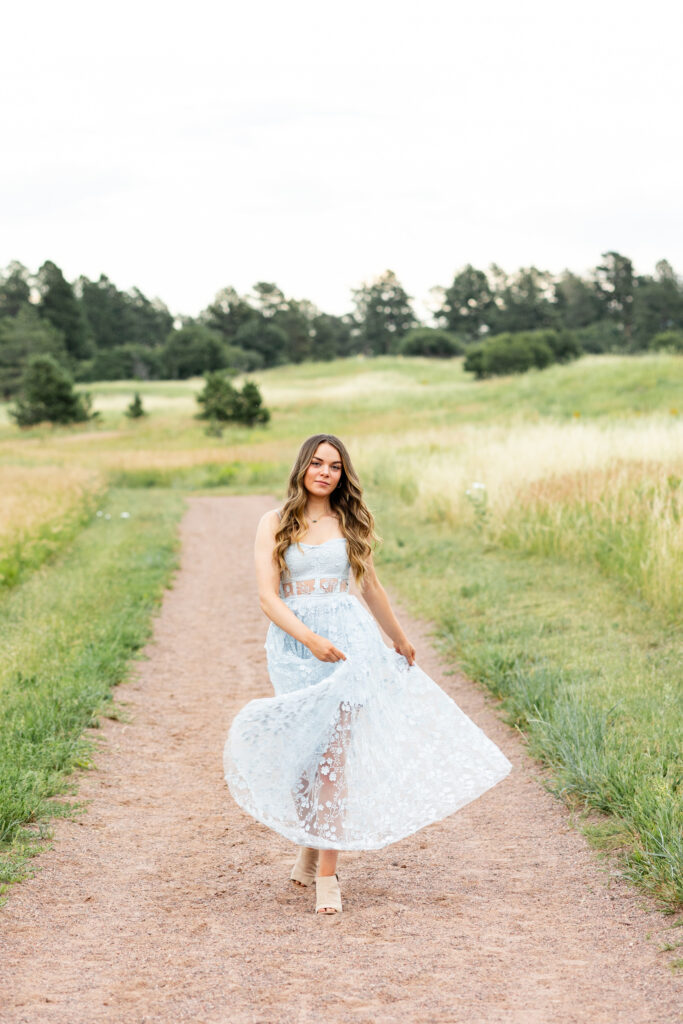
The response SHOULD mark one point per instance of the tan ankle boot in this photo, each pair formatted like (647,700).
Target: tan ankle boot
(328,895)
(305,866)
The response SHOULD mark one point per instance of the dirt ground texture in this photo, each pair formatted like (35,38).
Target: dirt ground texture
(166,903)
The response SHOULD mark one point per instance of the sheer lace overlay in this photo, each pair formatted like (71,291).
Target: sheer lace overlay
(354,754)
(322,585)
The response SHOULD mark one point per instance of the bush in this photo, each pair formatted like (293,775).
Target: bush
(540,351)
(563,344)
(193,350)
(668,341)
(507,353)
(47,394)
(475,361)
(135,410)
(521,351)
(222,402)
(428,341)
(250,407)
(602,336)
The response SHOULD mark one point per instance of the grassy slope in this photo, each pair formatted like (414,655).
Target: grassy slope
(371,392)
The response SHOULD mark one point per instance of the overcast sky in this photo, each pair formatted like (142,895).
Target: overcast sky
(182,148)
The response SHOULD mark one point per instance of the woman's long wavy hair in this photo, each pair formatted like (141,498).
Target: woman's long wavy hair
(346,500)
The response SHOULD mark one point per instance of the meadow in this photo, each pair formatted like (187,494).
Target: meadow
(535,520)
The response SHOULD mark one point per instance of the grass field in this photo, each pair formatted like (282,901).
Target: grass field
(67,635)
(41,508)
(535,519)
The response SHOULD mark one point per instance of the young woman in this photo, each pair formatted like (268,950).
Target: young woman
(359,747)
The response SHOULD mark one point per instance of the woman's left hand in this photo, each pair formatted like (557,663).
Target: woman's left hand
(404,647)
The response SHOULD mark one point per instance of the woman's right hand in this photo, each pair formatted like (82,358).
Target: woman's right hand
(324,650)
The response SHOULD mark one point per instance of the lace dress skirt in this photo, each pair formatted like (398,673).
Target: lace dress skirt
(355,754)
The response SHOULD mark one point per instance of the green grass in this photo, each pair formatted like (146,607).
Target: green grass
(66,638)
(590,676)
(377,393)
(22,555)
(242,477)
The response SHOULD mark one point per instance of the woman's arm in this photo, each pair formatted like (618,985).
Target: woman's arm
(268,581)
(377,601)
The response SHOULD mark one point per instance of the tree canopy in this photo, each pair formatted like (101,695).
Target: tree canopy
(98,331)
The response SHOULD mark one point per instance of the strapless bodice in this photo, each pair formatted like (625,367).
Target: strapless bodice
(316,569)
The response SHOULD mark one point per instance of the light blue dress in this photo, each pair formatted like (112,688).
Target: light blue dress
(355,754)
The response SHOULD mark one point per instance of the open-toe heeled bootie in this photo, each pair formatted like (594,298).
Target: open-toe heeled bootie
(305,866)
(328,895)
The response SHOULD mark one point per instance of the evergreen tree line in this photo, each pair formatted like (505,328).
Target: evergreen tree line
(98,332)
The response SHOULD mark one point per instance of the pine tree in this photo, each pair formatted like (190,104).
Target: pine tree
(135,410)
(59,305)
(384,313)
(47,394)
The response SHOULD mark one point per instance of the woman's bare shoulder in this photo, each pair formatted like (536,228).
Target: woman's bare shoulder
(269,521)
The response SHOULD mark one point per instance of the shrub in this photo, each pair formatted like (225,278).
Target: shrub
(540,351)
(428,341)
(603,336)
(519,352)
(47,394)
(192,350)
(563,344)
(250,405)
(668,341)
(475,361)
(507,353)
(222,402)
(135,410)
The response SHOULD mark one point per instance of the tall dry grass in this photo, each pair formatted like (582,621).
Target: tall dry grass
(41,507)
(606,494)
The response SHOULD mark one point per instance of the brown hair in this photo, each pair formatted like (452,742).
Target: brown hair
(346,500)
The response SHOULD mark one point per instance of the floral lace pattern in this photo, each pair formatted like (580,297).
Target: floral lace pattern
(355,754)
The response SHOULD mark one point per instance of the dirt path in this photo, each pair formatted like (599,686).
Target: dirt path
(166,903)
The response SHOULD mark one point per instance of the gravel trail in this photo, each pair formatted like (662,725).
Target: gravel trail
(166,903)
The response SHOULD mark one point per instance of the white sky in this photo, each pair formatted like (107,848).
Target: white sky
(181,148)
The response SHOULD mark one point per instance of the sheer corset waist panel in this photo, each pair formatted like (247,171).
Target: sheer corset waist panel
(317,585)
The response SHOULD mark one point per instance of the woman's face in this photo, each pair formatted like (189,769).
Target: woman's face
(324,471)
